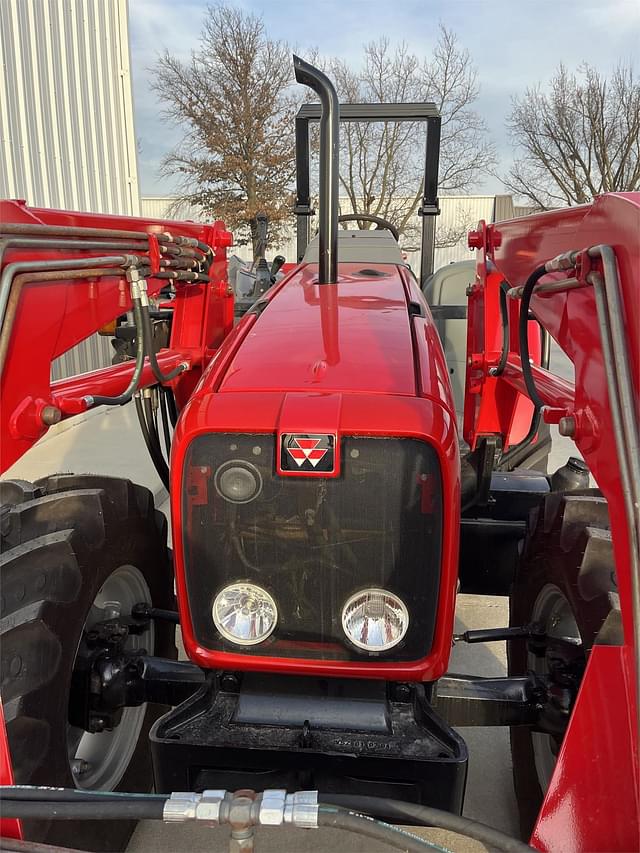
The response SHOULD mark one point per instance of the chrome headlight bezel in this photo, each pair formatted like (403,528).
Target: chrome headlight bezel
(359,600)
(240,589)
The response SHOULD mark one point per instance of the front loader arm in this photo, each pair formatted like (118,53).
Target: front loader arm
(65,275)
(587,297)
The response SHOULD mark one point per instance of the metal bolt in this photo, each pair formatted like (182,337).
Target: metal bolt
(493,371)
(79,766)
(567,426)
(402,692)
(229,682)
(51,415)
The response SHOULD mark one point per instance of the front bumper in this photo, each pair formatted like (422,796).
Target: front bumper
(335,735)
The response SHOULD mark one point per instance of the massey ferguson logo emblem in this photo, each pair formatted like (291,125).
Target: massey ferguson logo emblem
(307,453)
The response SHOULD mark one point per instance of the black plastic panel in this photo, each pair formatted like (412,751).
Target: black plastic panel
(312,541)
(201,744)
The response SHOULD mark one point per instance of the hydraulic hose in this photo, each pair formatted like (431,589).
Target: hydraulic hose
(342,811)
(129,391)
(399,811)
(140,809)
(523,328)
(371,828)
(150,417)
(171,404)
(153,361)
(154,451)
(42,794)
(504,320)
(164,415)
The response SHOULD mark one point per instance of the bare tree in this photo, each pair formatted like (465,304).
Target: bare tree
(580,138)
(233,101)
(382,165)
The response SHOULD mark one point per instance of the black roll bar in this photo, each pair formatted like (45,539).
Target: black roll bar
(429,206)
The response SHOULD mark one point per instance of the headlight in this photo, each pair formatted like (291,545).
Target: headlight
(244,613)
(375,619)
(238,481)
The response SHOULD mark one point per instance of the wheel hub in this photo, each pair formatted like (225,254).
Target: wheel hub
(558,663)
(102,733)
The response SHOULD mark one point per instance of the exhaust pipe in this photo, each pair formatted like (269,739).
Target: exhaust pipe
(328,201)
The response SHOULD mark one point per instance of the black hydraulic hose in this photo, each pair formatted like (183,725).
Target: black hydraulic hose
(71,804)
(131,388)
(399,811)
(383,832)
(156,457)
(164,416)
(142,809)
(523,328)
(515,453)
(504,319)
(152,426)
(171,404)
(153,361)
(40,794)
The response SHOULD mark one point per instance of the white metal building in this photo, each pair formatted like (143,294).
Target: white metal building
(67,136)
(458,215)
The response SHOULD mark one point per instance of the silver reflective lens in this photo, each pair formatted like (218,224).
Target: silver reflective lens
(375,619)
(244,613)
(238,482)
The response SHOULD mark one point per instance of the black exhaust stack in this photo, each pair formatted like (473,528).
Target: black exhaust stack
(328,196)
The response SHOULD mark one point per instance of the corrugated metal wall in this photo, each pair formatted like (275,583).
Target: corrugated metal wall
(67,136)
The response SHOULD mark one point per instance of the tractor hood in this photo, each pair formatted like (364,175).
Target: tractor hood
(354,335)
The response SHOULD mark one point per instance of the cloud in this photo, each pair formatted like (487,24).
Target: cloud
(514,45)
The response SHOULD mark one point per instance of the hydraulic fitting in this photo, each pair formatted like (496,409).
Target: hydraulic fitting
(244,808)
(301,809)
(565,261)
(272,806)
(211,806)
(180,806)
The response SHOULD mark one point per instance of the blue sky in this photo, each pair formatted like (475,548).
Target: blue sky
(513,44)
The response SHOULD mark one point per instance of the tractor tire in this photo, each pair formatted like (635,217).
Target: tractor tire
(67,542)
(566,581)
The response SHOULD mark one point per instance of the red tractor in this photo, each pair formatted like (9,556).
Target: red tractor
(325,512)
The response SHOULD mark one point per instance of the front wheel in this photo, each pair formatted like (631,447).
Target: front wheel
(565,583)
(77,551)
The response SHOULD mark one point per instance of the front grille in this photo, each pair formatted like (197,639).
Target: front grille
(313,542)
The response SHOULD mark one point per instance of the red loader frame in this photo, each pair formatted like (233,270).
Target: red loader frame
(590,304)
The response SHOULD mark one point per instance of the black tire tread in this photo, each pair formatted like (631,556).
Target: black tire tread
(568,543)
(62,537)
